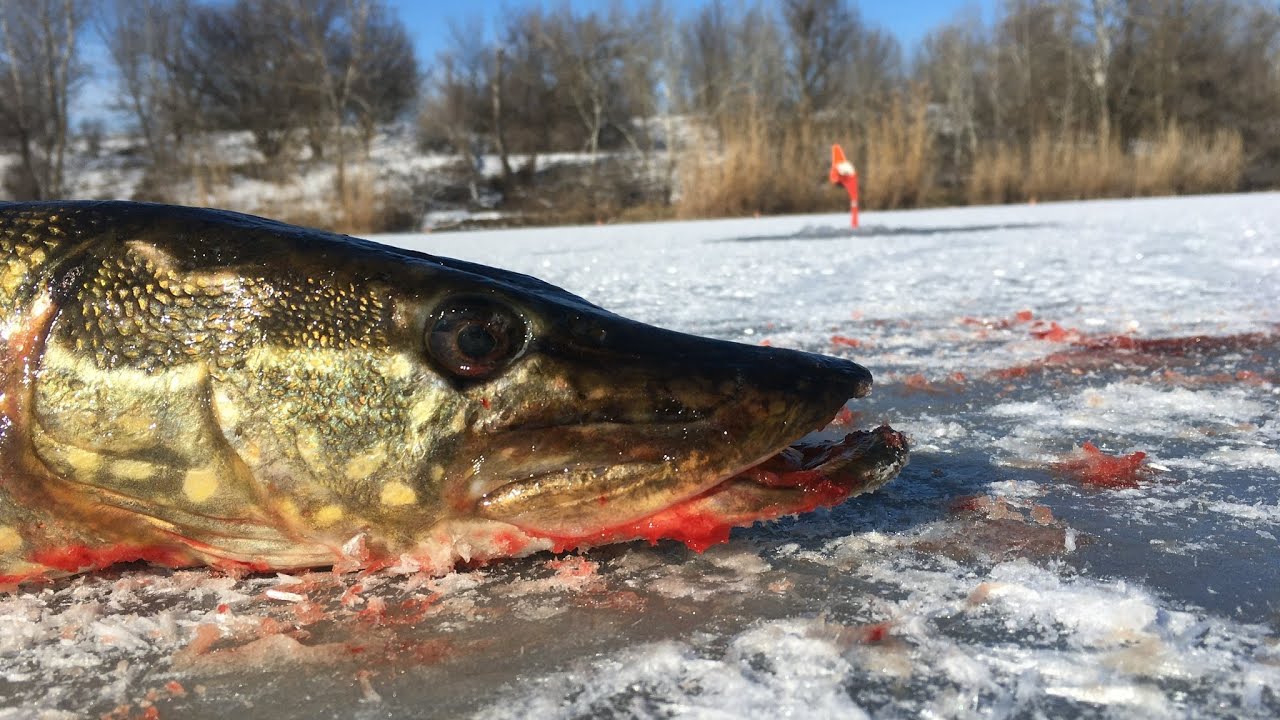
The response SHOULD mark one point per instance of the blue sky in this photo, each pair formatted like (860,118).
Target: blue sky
(909,20)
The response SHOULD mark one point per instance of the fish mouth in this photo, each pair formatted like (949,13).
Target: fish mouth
(811,473)
(820,469)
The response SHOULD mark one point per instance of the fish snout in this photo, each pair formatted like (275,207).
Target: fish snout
(799,389)
(707,374)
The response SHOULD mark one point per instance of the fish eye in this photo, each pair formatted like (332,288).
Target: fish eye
(474,338)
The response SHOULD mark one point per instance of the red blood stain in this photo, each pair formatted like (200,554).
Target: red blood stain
(81,558)
(697,530)
(351,596)
(175,688)
(874,634)
(573,566)
(1018,371)
(308,612)
(375,611)
(846,341)
(917,382)
(413,610)
(1057,333)
(846,417)
(424,652)
(1177,346)
(206,635)
(967,504)
(485,402)
(510,543)
(1101,352)
(1090,466)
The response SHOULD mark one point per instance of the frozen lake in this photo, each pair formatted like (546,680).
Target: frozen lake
(1006,573)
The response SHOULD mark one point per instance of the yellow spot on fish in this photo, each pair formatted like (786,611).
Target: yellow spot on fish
(135,423)
(200,484)
(328,515)
(132,469)
(422,411)
(362,466)
(14,276)
(10,540)
(309,449)
(397,493)
(83,462)
(398,367)
(437,473)
(226,409)
(289,510)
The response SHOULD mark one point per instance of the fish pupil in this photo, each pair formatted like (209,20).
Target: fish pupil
(476,341)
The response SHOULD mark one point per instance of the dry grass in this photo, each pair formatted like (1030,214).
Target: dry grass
(996,176)
(1213,163)
(899,152)
(1077,167)
(765,166)
(755,170)
(359,206)
(1073,167)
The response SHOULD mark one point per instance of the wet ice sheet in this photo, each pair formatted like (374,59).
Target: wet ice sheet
(983,581)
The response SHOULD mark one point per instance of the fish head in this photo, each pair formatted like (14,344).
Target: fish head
(498,399)
(574,424)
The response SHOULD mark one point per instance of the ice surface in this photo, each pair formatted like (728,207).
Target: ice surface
(985,581)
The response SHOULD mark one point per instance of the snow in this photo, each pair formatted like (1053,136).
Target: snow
(982,582)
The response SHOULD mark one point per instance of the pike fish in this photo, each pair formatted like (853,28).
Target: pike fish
(191,387)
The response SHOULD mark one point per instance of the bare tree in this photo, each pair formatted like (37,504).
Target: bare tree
(951,62)
(709,66)
(456,113)
(1102,23)
(388,78)
(238,60)
(733,62)
(821,34)
(532,119)
(357,63)
(587,54)
(39,72)
(141,37)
